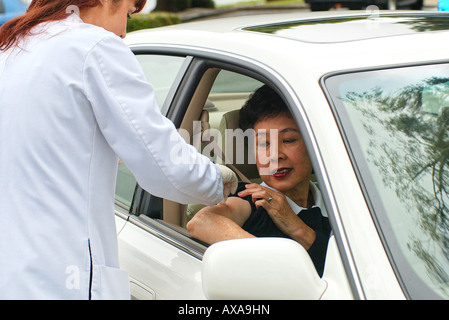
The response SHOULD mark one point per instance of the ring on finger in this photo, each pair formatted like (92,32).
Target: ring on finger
(270,198)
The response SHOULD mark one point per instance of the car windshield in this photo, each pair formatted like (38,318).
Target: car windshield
(395,122)
(356,27)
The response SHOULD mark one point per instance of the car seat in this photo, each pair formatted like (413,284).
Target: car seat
(237,148)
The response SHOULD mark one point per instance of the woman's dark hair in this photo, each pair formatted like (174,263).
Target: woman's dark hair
(263,103)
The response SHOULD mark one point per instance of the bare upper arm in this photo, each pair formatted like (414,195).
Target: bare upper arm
(223,221)
(234,208)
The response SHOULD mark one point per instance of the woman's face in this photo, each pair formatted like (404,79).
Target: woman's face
(281,154)
(111,15)
(118,15)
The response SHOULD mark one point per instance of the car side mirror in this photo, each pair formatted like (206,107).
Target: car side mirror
(258,269)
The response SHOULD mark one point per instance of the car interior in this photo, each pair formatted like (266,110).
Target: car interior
(218,111)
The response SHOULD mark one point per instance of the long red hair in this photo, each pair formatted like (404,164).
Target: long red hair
(42,11)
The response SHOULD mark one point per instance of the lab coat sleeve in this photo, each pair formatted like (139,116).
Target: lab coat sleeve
(129,118)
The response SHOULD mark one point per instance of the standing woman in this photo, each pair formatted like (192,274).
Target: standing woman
(72,99)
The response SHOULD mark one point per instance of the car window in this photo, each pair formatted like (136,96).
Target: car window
(227,93)
(161,71)
(396,123)
(125,186)
(2,7)
(232,82)
(211,99)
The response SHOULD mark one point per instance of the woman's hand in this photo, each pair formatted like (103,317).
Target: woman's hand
(275,203)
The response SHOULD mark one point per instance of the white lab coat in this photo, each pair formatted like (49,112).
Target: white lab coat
(71,101)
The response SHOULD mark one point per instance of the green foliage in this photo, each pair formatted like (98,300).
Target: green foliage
(203,3)
(181,5)
(152,20)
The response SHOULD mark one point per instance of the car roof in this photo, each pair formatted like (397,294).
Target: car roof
(354,27)
(325,26)
(331,40)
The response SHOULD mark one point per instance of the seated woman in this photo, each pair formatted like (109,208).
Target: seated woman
(287,204)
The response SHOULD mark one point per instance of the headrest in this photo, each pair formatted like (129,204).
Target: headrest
(230,120)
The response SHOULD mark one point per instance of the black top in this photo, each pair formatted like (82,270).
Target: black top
(260,224)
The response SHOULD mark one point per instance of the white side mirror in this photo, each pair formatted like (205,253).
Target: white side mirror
(258,269)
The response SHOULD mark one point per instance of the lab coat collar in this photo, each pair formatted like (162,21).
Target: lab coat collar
(74,18)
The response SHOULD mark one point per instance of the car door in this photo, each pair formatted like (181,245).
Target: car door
(154,246)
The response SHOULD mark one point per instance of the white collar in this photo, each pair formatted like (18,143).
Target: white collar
(316,196)
(74,18)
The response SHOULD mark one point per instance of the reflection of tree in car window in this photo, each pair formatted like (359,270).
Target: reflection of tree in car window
(407,144)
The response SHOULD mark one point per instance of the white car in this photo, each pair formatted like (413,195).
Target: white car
(370,94)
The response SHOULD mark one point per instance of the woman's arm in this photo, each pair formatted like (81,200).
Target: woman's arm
(221,222)
(127,114)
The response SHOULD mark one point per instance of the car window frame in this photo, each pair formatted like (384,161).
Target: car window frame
(135,201)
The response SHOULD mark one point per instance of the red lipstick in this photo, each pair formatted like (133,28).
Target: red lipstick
(282,172)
